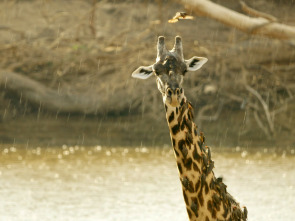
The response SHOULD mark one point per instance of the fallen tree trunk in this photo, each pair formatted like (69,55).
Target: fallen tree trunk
(46,97)
(257,26)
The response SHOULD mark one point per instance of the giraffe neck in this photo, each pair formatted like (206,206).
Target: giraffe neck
(204,195)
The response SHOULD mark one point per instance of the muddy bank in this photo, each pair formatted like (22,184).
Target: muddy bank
(133,130)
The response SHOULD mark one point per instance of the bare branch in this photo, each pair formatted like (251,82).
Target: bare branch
(214,117)
(260,124)
(51,99)
(240,100)
(255,13)
(257,26)
(264,105)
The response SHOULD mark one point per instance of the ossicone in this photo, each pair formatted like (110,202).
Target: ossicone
(178,47)
(161,48)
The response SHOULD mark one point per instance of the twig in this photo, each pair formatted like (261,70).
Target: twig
(284,107)
(260,124)
(6,28)
(240,99)
(92,18)
(208,107)
(264,105)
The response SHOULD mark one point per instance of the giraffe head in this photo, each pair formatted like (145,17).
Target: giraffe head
(169,69)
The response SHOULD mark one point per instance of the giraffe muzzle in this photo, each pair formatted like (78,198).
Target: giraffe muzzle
(176,91)
(173,96)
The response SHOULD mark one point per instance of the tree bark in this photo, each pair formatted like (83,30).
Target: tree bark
(257,26)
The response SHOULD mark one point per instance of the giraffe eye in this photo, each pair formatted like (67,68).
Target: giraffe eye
(157,72)
(184,72)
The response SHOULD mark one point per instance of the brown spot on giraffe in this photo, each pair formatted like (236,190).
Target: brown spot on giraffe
(175,129)
(192,159)
(188,164)
(196,168)
(182,102)
(182,126)
(181,145)
(184,153)
(189,212)
(180,116)
(185,197)
(196,156)
(191,112)
(187,184)
(173,142)
(188,139)
(171,117)
(214,213)
(197,185)
(191,186)
(201,198)
(195,200)
(206,188)
(209,206)
(179,168)
(194,207)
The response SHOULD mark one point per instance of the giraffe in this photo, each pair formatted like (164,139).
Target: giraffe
(205,196)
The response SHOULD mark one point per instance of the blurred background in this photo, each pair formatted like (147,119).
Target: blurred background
(80,139)
(74,60)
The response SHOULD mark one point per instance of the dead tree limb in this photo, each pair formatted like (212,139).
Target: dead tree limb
(255,13)
(257,26)
(46,97)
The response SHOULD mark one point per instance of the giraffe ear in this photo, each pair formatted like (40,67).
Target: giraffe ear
(195,63)
(143,72)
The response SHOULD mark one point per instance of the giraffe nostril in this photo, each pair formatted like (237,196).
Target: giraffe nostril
(169,92)
(177,91)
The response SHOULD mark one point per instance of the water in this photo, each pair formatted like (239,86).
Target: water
(108,184)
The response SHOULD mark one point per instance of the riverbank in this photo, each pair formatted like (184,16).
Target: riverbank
(65,75)
(130,131)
